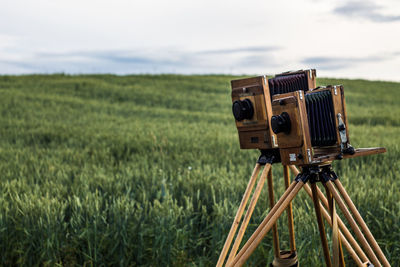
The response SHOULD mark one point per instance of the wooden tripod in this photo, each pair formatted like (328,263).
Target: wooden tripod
(368,254)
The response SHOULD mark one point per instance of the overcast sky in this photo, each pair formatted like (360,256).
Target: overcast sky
(349,39)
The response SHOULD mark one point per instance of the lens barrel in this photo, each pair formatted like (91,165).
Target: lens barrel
(242,109)
(281,123)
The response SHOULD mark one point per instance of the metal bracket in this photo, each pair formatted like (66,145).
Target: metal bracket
(302,177)
(316,173)
(309,155)
(309,172)
(269,156)
(274,141)
(345,147)
(327,174)
(342,131)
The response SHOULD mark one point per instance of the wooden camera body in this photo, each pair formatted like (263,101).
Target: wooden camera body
(311,127)
(307,124)
(252,107)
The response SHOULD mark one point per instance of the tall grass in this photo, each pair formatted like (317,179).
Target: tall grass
(147,170)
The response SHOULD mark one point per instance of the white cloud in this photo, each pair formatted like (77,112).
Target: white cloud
(254,37)
(366,10)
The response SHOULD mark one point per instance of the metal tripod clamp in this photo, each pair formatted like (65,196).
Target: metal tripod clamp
(327,174)
(308,173)
(269,156)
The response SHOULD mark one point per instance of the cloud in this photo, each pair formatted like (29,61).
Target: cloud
(249,49)
(335,63)
(101,61)
(116,56)
(365,10)
(259,61)
(145,61)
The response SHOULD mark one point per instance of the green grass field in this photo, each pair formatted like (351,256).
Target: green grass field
(101,170)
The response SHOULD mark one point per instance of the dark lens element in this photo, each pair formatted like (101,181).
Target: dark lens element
(281,123)
(242,109)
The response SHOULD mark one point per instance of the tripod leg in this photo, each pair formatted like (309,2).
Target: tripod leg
(249,212)
(267,223)
(361,222)
(271,205)
(289,211)
(239,214)
(337,254)
(329,220)
(321,225)
(346,232)
(352,223)
(347,235)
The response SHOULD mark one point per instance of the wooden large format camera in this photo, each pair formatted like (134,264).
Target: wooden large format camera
(296,123)
(307,123)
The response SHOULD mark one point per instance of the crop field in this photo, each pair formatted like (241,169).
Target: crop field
(143,170)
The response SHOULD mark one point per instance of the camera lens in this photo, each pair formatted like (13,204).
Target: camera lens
(242,109)
(281,123)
